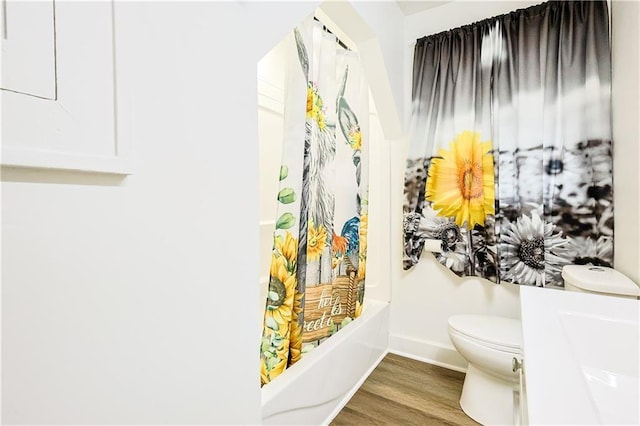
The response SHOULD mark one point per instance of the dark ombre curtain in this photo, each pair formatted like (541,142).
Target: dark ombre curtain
(510,159)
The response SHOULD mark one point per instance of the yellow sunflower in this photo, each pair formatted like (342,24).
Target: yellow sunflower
(280,363)
(460,181)
(362,250)
(287,247)
(362,264)
(282,287)
(297,304)
(309,101)
(295,336)
(295,345)
(358,309)
(364,227)
(317,240)
(355,140)
(314,106)
(321,123)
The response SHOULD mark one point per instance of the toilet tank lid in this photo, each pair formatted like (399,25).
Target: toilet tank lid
(492,329)
(600,279)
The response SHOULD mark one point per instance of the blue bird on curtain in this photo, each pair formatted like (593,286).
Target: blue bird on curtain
(347,242)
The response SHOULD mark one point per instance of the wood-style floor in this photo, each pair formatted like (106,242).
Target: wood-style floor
(402,391)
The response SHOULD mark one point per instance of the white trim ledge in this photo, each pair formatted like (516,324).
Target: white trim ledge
(41,159)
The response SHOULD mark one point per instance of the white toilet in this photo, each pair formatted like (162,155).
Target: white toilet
(599,280)
(490,343)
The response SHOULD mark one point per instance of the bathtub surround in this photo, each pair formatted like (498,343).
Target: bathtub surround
(318,263)
(510,159)
(314,390)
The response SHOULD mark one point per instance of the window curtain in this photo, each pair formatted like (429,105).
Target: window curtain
(510,159)
(319,253)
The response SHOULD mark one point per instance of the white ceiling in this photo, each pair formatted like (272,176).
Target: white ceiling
(410,7)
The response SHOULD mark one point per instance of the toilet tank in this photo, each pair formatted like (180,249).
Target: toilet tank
(599,280)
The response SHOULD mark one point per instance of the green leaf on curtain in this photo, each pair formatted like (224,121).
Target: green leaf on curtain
(284,172)
(273,296)
(276,340)
(264,347)
(286,195)
(271,323)
(285,221)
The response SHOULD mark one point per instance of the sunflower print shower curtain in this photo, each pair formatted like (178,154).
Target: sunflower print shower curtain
(319,253)
(510,160)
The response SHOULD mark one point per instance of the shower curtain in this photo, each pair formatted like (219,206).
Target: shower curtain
(510,160)
(320,242)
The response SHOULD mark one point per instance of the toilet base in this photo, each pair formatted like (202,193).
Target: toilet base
(488,399)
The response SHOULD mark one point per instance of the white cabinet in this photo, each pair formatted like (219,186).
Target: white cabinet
(581,358)
(520,398)
(59,87)
(28,48)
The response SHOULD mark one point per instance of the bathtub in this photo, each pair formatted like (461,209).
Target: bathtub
(314,390)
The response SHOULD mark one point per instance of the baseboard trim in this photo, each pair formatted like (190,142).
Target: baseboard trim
(427,351)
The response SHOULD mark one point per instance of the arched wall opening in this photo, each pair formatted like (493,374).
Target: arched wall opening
(294,390)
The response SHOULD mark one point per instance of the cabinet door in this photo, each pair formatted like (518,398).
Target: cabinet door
(28,48)
(522,416)
(58,97)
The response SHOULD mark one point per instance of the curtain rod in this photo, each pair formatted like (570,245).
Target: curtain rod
(324,28)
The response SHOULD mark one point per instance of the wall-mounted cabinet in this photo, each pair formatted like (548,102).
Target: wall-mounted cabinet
(28,49)
(59,87)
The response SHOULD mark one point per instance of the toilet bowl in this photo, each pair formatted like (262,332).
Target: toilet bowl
(489,343)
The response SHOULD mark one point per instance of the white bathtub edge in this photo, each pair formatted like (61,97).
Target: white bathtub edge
(427,351)
(353,390)
(356,350)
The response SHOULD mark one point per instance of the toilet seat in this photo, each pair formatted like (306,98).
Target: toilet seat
(485,344)
(498,333)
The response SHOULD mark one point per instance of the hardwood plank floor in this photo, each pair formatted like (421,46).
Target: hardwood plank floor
(402,391)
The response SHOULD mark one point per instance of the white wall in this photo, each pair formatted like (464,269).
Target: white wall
(133,301)
(426,296)
(625,53)
(271,86)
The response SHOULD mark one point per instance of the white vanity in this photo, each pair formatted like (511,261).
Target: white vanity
(581,358)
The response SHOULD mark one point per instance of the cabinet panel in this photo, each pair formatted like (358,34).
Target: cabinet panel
(76,130)
(28,48)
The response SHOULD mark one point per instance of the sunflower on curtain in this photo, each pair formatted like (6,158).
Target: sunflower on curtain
(510,160)
(318,263)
